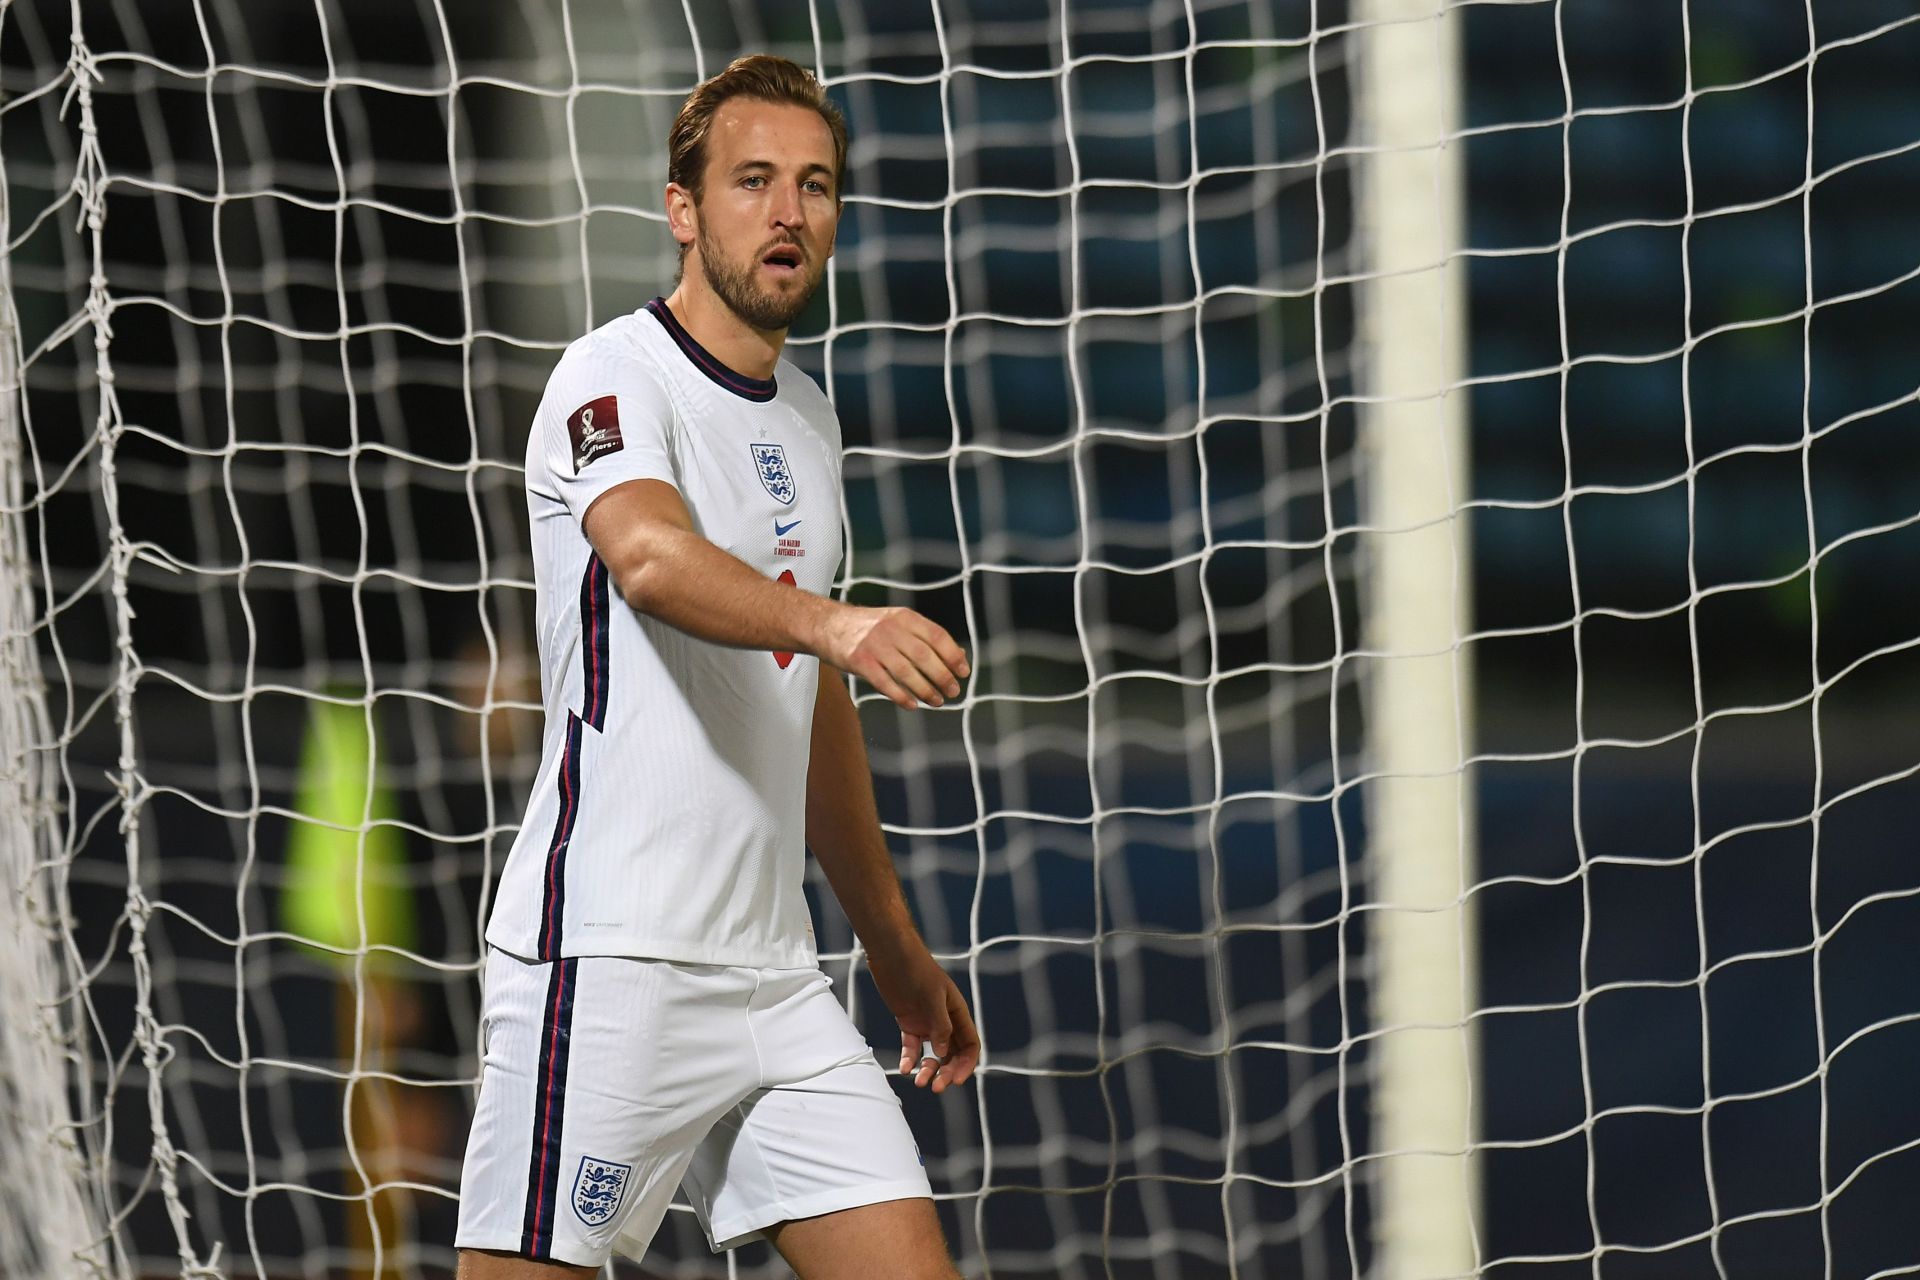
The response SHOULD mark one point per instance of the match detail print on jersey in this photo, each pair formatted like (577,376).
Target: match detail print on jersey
(595,430)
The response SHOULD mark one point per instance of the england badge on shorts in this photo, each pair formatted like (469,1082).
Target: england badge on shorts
(776,477)
(597,1189)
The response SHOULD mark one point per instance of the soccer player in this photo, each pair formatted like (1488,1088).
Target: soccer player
(655,1014)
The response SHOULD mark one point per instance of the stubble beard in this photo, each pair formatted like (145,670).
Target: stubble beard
(733,283)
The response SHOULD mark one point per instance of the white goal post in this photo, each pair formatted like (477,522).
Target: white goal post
(1419,612)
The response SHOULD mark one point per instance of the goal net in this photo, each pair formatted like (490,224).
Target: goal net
(1359,862)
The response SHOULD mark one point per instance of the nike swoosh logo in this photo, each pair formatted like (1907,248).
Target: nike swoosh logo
(782,530)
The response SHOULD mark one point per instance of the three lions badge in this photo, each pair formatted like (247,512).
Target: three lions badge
(776,477)
(598,1189)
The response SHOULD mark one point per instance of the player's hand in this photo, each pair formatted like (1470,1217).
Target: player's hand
(908,657)
(930,1010)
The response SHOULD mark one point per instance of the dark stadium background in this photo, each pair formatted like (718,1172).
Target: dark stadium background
(1596,895)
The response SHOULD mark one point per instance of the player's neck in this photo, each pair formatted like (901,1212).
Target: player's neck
(726,337)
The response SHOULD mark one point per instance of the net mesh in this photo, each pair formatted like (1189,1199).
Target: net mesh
(285,281)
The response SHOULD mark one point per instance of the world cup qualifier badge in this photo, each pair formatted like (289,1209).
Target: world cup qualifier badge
(595,429)
(776,477)
(598,1188)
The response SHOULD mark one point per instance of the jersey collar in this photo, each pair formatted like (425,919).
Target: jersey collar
(757,389)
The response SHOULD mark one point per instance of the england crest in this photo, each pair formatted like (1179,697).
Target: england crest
(776,477)
(598,1188)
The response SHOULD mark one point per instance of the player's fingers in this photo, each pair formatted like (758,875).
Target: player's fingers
(909,677)
(880,678)
(955,1072)
(942,1033)
(935,636)
(965,1037)
(959,1067)
(909,1050)
(930,665)
(964,1049)
(938,1036)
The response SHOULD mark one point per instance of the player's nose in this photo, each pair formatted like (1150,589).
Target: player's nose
(789,210)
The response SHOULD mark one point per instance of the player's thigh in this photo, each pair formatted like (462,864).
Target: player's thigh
(826,1132)
(478,1264)
(601,1075)
(896,1240)
(837,1141)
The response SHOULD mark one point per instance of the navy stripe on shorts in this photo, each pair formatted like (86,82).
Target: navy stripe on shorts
(549,1111)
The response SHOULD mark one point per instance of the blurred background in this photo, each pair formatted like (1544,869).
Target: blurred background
(1091,332)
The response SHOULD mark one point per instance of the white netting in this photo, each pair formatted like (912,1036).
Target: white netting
(285,282)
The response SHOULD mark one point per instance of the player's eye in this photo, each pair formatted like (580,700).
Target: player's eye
(816,186)
(754,181)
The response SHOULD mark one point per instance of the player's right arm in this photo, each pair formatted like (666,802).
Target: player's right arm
(644,535)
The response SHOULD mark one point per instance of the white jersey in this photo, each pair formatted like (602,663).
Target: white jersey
(668,816)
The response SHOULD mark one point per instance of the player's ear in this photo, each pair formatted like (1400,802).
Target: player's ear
(682,213)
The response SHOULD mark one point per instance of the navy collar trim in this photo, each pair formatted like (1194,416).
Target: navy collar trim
(757,389)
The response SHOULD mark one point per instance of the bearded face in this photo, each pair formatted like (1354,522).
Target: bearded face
(769,285)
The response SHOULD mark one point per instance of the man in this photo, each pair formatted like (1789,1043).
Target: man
(654,1009)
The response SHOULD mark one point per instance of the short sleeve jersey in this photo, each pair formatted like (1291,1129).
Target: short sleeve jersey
(667,818)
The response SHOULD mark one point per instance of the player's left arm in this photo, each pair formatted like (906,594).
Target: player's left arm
(843,829)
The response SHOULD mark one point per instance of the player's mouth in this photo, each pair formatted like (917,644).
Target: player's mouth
(783,259)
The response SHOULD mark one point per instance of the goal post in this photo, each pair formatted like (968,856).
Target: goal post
(1418,555)
(51,1219)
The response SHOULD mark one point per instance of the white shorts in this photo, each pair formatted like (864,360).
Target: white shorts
(608,1081)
